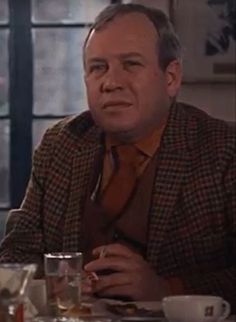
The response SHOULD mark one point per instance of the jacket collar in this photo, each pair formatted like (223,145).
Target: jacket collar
(178,134)
(180,129)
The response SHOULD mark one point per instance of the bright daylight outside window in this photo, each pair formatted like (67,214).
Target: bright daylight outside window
(45,82)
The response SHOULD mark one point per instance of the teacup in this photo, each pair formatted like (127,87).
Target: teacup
(195,308)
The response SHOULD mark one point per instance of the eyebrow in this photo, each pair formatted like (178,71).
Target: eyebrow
(122,56)
(131,55)
(96,60)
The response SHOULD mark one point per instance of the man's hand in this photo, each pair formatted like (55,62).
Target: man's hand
(132,276)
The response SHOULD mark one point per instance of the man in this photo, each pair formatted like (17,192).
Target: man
(148,180)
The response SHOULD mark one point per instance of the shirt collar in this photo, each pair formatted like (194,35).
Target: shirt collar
(147,145)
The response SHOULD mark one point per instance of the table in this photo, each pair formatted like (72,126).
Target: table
(37,293)
(100,313)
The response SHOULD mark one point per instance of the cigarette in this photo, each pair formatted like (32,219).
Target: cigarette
(93,277)
(102,252)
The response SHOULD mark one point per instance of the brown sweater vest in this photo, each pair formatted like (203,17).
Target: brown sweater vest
(129,227)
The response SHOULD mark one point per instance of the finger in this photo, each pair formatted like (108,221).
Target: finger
(112,263)
(115,250)
(112,280)
(86,289)
(86,284)
(116,291)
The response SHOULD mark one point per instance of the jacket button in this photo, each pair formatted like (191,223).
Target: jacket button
(115,236)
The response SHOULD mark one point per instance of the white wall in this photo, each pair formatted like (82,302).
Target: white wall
(217,99)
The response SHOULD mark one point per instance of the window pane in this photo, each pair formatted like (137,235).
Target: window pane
(39,128)
(4,163)
(3,216)
(58,71)
(4,11)
(67,11)
(3,71)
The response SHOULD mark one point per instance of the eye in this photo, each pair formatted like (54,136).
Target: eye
(97,68)
(129,64)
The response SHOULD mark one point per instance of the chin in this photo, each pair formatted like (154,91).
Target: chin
(126,134)
(118,127)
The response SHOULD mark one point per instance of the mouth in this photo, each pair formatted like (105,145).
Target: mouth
(116,105)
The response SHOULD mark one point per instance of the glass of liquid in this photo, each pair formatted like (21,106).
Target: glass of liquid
(63,282)
(14,283)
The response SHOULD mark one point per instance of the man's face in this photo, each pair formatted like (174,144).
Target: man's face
(128,93)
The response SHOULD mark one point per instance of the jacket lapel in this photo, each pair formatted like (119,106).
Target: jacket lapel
(167,187)
(172,166)
(82,165)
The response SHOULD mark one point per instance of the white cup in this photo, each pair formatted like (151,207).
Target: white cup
(195,308)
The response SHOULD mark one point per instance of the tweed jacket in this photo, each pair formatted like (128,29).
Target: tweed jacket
(192,216)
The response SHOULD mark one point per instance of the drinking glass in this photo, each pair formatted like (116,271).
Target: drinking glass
(14,282)
(63,282)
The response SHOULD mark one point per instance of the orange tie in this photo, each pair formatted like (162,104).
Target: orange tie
(123,180)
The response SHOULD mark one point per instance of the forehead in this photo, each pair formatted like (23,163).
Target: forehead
(130,32)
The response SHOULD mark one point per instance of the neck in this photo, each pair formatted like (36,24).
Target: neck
(134,136)
(129,137)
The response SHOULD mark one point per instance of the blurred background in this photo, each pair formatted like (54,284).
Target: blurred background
(41,75)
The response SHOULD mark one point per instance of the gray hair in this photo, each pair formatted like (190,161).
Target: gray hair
(168,46)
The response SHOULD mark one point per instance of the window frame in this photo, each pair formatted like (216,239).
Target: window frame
(20,94)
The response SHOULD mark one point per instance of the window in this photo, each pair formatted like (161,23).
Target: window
(4,113)
(41,41)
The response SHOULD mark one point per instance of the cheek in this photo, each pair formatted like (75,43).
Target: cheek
(148,94)
(148,85)
(92,94)
(92,86)
(93,99)
(153,101)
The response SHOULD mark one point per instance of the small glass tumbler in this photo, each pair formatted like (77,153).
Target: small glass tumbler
(63,282)
(14,283)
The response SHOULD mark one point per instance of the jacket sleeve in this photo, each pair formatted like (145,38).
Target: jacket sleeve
(221,282)
(23,241)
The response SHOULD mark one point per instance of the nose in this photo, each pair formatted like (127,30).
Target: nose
(112,80)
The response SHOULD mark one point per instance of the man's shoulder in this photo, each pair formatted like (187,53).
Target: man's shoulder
(67,134)
(192,130)
(72,128)
(74,125)
(205,127)
(199,115)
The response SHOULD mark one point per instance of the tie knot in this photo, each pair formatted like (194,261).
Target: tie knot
(127,154)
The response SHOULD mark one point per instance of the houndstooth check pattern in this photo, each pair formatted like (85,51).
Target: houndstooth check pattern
(192,219)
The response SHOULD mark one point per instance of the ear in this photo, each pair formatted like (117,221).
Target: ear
(173,75)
